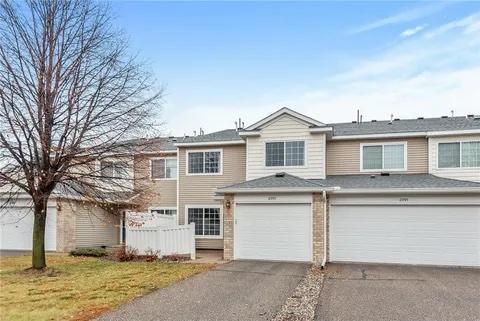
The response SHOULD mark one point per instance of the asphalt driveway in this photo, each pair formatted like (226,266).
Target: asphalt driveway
(240,290)
(390,293)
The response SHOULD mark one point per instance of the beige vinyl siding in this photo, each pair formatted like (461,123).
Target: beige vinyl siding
(93,225)
(154,192)
(343,156)
(287,128)
(467,174)
(200,189)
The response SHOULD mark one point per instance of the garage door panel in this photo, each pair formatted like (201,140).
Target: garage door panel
(443,235)
(273,232)
(16,228)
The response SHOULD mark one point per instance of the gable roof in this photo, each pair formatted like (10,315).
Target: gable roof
(275,183)
(420,125)
(285,111)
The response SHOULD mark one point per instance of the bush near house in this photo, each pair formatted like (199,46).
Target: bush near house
(89,251)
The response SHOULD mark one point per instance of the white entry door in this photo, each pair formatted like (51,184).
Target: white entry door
(16,227)
(273,232)
(436,235)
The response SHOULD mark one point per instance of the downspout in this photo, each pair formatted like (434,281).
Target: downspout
(324,261)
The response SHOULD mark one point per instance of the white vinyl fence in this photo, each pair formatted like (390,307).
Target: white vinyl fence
(167,240)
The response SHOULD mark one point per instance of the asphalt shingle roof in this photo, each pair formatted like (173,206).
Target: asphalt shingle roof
(223,135)
(393,181)
(405,126)
(274,181)
(400,181)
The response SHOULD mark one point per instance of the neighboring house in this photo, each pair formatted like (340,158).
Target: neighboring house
(292,188)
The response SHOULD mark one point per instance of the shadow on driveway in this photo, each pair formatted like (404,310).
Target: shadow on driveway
(367,292)
(240,290)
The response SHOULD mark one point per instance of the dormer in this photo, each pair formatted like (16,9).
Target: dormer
(286,141)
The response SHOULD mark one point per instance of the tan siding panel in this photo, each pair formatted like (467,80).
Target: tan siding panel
(93,225)
(343,157)
(155,193)
(200,189)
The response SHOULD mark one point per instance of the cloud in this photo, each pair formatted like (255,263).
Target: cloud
(428,76)
(412,31)
(402,17)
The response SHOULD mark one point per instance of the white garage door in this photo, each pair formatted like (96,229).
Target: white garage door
(16,227)
(273,232)
(438,235)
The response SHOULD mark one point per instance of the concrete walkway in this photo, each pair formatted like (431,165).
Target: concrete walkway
(241,290)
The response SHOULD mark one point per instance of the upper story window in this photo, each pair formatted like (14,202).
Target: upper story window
(285,153)
(383,157)
(114,169)
(164,211)
(163,168)
(207,162)
(459,154)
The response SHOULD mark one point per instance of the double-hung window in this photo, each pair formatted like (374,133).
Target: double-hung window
(285,153)
(207,221)
(163,168)
(114,169)
(204,162)
(459,154)
(384,157)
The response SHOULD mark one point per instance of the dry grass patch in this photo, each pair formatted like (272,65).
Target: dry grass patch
(80,288)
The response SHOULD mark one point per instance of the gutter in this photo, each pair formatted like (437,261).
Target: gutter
(437,190)
(276,190)
(211,143)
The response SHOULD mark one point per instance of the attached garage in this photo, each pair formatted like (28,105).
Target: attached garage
(16,227)
(278,231)
(433,230)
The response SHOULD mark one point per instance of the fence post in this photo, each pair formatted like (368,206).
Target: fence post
(192,243)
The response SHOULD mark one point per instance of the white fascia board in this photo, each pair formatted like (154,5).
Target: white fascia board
(321,129)
(279,113)
(276,190)
(453,132)
(411,134)
(249,133)
(433,190)
(224,142)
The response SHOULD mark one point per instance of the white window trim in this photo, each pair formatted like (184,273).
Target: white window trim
(461,141)
(156,208)
(285,153)
(166,178)
(405,157)
(206,206)
(188,152)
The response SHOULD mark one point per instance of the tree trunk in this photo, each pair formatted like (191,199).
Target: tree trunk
(38,246)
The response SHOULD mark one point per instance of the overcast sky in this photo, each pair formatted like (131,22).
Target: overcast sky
(224,60)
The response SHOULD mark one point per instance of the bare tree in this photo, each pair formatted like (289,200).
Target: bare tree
(70,93)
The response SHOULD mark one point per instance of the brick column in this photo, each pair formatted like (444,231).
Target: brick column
(228,222)
(65,225)
(318,219)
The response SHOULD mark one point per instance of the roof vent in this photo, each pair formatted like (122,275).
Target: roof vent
(384,174)
(374,120)
(420,118)
(476,117)
(354,121)
(372,176)
(470,115)
(174,140)
(444,116)
(282,174)
(396,119)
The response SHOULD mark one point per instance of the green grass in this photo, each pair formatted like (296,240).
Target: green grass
(80,288)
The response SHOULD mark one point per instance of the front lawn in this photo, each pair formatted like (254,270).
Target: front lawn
(80,288)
